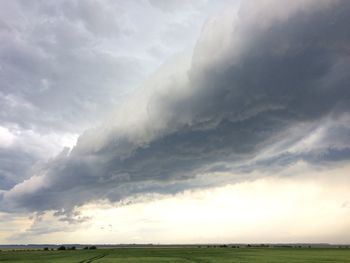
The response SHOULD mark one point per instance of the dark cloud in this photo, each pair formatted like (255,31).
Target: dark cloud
(66,65)
(15,166)
(250,85)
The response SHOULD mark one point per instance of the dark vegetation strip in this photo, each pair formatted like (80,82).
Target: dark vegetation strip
(89,260)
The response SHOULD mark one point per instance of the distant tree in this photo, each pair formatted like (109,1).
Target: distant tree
(72,248)
(86,247)
(61,248)
(46,248)
(93,247)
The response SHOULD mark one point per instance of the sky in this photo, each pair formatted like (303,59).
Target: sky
(165,121)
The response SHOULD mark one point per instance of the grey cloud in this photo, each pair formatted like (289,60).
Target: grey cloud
(173,5)
(274,71)
(66,78)
(51,61)
(15,166)
(66,65)
(42,226)
(97,16)
(278,162)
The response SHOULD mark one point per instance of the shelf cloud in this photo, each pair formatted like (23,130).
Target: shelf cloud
(266,85)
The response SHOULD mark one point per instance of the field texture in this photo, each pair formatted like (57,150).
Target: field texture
(175,255)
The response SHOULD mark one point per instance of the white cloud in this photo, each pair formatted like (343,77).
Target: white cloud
(6,137)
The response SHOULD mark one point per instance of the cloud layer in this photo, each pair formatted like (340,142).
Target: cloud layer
(267,84)
(66,65)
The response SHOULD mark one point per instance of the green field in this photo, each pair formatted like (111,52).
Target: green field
(175,255)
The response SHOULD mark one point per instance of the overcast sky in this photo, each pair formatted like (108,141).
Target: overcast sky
(174,121)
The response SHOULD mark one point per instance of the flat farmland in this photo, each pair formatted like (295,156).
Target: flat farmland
(242,255)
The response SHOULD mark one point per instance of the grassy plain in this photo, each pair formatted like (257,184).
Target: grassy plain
(177,255)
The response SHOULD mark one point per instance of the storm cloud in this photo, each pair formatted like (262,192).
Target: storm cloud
(260,82)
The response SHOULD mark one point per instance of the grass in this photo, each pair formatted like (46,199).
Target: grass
(177,255)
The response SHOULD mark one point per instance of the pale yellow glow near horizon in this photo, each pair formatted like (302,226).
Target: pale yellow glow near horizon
(310,206)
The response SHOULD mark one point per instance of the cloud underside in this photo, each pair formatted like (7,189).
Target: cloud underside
(266,85)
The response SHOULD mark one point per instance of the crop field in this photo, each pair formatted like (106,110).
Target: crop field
(242,255)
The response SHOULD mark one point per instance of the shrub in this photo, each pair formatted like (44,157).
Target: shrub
(61,248)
